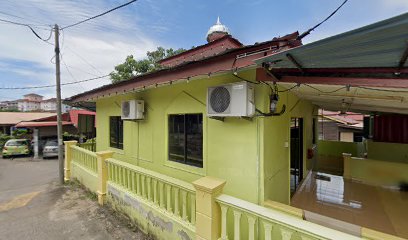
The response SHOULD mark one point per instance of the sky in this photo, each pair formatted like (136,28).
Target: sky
(95,47)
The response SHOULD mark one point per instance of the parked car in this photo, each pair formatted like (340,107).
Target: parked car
(50,148)
(15,147)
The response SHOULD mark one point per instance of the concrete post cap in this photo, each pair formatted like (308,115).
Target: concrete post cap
(209,184)
(105,154)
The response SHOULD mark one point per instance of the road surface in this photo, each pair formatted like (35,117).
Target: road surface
(34,206)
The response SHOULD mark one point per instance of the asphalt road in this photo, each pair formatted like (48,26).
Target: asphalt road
(34,206)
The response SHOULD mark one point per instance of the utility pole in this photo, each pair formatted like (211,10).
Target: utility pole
(59,115)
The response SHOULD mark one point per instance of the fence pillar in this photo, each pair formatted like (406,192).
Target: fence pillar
(102,174)
(347,165)
(208,214)
(68,158)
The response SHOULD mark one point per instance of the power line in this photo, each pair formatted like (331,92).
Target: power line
(99,15)
(288,89)
(21,24)
(15,16)
(53,85)
(83,59)
(327,18)
(325,92)
(69,72)
(81,70)
(31,28)
(79,56)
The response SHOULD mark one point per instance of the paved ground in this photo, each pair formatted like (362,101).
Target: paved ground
(34,206)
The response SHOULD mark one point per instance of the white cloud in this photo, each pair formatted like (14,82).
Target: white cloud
(102,42)
(394,4)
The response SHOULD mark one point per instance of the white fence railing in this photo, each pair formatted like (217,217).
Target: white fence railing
(251,221)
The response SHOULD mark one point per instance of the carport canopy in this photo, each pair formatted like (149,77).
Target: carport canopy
(363,70)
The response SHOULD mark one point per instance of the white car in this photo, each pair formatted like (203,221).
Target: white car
(50,149)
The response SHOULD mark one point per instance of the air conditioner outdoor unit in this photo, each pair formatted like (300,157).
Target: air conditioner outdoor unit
(133,110)
(231,100)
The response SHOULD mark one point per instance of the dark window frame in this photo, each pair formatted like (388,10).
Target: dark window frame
(116,129)
(186,139)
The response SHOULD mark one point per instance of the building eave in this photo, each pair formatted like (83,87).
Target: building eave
(227,37)
(224,62)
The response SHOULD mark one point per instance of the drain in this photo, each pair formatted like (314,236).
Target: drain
(322,177)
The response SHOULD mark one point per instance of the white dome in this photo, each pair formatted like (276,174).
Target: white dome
(218,28)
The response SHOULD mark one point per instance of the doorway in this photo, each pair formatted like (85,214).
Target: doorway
(296,153)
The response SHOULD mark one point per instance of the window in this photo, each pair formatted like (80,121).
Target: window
(186,139)
(116,132)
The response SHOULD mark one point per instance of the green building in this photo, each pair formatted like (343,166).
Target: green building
(247,115)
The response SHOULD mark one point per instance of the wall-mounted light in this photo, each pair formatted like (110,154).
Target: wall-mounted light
(274,98)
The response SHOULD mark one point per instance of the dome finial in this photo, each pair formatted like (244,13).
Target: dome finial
(217,31)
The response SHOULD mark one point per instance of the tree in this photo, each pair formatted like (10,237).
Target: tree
(132,67)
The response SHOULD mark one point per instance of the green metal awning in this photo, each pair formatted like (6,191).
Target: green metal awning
(381,44)
(363,70)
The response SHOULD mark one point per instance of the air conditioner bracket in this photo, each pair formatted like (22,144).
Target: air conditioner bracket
(218,118)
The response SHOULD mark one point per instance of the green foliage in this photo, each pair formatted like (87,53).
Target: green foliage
(9,110)
(16,134)
(132,67)
(68,136)
(20,133)
(91,140)
(3,139)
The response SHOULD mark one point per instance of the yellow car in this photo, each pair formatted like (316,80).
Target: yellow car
(15,147)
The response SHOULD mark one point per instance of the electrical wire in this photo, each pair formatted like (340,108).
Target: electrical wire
(81,70)
(246,80)
(31,28)
(310,86)
(341,88)
(243,79)
(15,16)
(21,24)
(289,89)
(316,26)
(83,59)
(69,72)
(53,85)
(62,40)
(99,15)
(382,90)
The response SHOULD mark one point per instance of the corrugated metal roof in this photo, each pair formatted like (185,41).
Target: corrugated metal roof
(377,45)
(12,118)
(184,70)
(349,119)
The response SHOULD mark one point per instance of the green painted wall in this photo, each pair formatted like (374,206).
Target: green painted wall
(382,173)
(86,177)
(275,134)
(148,216)
(234,150)
(330,155)
(392,152)
(337,148)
